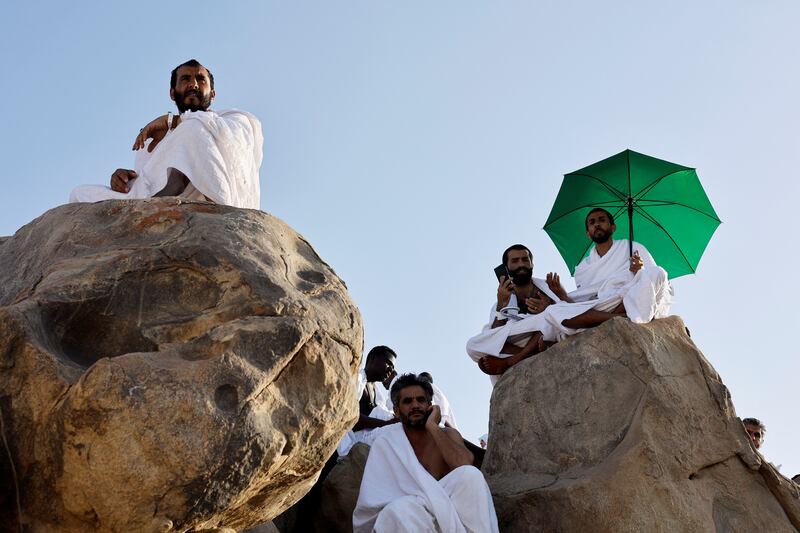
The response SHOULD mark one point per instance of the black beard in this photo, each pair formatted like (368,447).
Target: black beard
(602,237)
(413,423)
(180,101)
(521,276)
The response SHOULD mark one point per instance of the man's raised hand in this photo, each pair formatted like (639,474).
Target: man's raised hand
(434,417)
(636,262)
(156,129)
(554,282)
(504,291)
(120,179)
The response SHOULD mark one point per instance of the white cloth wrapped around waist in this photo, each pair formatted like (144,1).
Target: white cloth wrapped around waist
(220,154)
(398,495)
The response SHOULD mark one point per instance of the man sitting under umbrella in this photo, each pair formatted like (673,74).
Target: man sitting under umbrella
(610,282)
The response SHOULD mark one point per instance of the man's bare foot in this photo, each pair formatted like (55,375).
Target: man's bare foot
(494,366)
(543,345)
(619,310)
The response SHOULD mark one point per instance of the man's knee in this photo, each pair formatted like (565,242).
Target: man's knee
(655,274)
(469,474)
(404,514)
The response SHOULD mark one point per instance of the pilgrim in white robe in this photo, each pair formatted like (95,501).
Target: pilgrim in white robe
(219,152)
(398,495)
(382,411)
(448,416)
(490,341)
(605,282)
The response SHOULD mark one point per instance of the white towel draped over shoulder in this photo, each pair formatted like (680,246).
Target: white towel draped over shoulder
(220,153)
(397,494)
(605,282)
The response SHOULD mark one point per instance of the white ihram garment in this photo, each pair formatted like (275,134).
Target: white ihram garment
(379,411)
(220,153)
(518,332)
(398,495)
(603,282)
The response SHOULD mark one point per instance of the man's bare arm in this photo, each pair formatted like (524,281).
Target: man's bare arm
(448,440)
(367,422)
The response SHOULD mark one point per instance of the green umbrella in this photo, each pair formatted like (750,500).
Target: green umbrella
(665,202)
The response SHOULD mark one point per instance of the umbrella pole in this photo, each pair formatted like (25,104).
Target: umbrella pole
(630,226)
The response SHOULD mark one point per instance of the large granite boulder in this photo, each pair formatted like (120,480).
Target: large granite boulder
(627,428)
(168,366)
(331,510)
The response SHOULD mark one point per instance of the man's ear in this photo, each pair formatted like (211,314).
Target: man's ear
(613,228)
(172,94)
(396,411)
(213,94)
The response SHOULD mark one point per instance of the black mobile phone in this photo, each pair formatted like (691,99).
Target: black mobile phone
(501,271)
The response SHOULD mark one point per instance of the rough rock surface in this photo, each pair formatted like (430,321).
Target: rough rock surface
(338,497)
(168,366)
(627,428)
(340,491)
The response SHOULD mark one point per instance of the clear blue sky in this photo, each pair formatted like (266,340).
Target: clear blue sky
(411,142)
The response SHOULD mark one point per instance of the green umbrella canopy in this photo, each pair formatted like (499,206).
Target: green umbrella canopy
(670,212)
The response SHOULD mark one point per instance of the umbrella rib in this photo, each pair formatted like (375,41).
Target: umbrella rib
(614,190)
(648,188)
(649,217)
(593,204)
(665,202)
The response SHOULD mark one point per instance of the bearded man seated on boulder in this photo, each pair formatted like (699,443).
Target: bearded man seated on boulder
(610,282)
(516,329)
(419,476)
(197,155)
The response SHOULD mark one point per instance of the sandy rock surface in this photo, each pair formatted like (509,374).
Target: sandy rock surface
(627,428)
(168,366)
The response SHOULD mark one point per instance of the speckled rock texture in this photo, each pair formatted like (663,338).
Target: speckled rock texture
(167,366)
(627,428)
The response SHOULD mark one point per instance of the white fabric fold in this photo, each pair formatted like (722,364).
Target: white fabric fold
(602,284)
(605,282)
(397,494)
(490,341)
(220,153)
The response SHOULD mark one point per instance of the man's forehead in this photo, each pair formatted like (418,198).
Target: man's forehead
(411,391)
(186,70)
(516,254)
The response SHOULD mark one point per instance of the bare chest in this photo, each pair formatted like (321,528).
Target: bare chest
(432,460)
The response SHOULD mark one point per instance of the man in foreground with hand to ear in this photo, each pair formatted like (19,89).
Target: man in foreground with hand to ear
(199,154)
(419,476)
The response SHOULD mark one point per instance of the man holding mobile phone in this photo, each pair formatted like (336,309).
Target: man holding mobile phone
(516,329)
(419,476)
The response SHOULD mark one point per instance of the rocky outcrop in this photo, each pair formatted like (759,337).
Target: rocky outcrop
(168,366)
(627,428)
(340,491)
(332,509)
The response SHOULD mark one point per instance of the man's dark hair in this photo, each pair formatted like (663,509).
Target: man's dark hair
(382,351)
(409,380)
(755,422)
(173,79)
(598,210)
(516,247)
(425,375)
